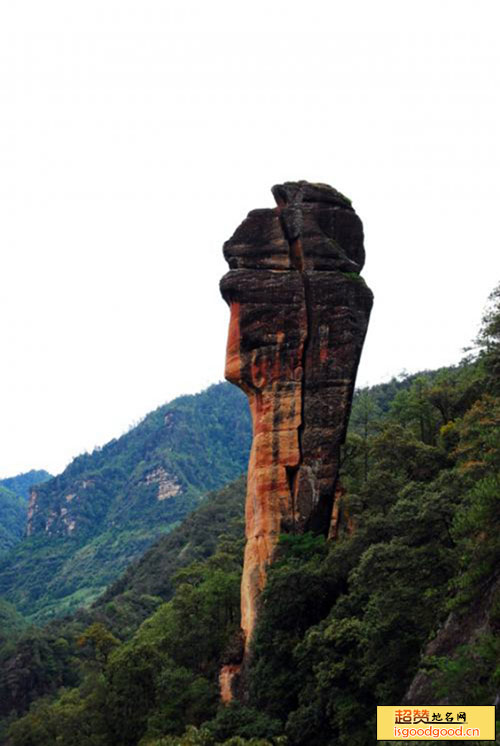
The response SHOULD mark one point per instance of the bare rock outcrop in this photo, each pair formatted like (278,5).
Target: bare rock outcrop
(299,314)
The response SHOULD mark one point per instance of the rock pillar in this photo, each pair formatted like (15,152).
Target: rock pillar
(299,314)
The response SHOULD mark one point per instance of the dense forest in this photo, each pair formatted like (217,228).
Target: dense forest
(106,509)
(14,493)
(345,625)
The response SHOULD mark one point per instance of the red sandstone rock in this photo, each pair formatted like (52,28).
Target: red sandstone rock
(299,314)
(341,522)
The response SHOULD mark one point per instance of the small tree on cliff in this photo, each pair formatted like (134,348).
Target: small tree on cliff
(488,341)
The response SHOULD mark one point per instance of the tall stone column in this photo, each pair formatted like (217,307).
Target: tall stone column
(299,314)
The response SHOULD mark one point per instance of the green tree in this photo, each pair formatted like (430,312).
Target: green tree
(100,640)
(488,341)
(365,422)
(414,408)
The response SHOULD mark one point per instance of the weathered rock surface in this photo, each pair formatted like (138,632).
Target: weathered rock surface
(299,314)
(460,629)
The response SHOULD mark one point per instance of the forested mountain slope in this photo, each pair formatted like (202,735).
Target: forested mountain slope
(343,623)
(14,493)
(21,484)
(36,662)
(344,626)
(13,510)
(87,524)
(324,602)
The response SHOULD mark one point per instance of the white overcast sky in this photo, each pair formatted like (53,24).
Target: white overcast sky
(135,136)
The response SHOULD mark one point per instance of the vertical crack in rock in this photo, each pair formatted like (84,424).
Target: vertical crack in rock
(299,314)
(291,223)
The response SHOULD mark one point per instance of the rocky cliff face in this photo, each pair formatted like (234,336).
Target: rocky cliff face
(14,494)
(299,314)
(460,634)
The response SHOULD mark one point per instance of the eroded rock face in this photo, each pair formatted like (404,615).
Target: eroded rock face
(168,485)
(299,314)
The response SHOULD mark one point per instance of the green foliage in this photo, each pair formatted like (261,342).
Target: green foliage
(488,342)
(415,409)
(383,394)
(70,720)
(342,626)
(299,547)
(339,634)
(12,518)
(158,682)
(239,722)
(476,527)
(35,664)
(22,483)
(11,622)
(104,511)
(221,513)
(472,674)
(203,737)
(354,276)
(38,662)
(14,493)
(100,640)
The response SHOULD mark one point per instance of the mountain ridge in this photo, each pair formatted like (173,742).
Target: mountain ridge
(86,525)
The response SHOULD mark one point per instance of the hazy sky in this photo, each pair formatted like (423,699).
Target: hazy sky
(135,136)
